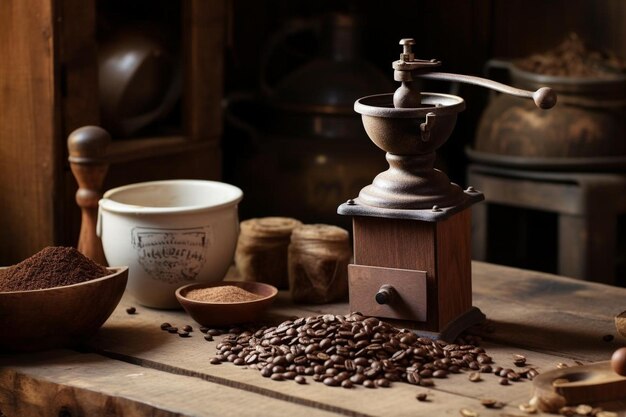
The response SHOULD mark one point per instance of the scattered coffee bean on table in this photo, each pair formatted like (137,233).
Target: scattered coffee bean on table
(422,396)
(54,266)
(519,360)
(222,294)
(187,328)
(474,377)
(335,349)
(131,310)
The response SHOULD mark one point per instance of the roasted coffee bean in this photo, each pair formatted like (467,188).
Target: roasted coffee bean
(368,383)
(187,328)
(214,332)
(208,337)
(349,348)
(215,361)
(342,376)
(289,375)
(504,381)
(183,333)
(440,374)
(277,377)
(358,378)
(383,382)
(300,379)
(278,369)
(413,378)
(239,362)
(165,326)
(131,310)
(474,377)
(204,329)
(519,360)
(422,396)
(486,369)
(488,403)
(425,382)
(330,381)
(172,329)
(454,369)
(513,376)
(346,383)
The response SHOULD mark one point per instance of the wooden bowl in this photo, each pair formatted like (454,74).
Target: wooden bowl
(222,314)
(60,316)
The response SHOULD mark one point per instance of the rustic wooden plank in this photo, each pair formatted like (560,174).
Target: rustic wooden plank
(496,293)
(514,300)
(527,193)
(548,313)
(138,339)
(28,126)
(68,383)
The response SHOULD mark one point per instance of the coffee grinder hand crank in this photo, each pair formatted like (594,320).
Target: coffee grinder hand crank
(412,225)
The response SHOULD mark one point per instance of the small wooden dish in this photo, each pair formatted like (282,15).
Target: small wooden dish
(59,316)
(222,314)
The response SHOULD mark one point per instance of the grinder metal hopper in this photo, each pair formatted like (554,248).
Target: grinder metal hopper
(412,225)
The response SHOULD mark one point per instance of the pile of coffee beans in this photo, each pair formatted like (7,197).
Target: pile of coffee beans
(349,350)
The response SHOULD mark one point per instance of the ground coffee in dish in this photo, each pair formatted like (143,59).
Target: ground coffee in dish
(222,294)
(54,266)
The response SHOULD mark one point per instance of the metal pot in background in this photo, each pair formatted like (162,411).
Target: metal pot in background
(140,80)
(586,130)
(310,148)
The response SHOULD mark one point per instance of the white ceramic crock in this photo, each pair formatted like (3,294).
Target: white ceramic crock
(169,233)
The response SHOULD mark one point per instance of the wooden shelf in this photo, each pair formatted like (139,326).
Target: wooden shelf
(52,88)
(145,148)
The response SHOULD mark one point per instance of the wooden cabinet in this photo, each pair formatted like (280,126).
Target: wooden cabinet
(48,87)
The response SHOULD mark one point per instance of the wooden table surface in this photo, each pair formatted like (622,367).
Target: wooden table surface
(132,368)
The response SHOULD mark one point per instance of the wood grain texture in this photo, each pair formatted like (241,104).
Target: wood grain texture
(204,58)
(536,315)
(86,385)
(29,160)
(78,63)
(408,300)
(454,269)
(403,244)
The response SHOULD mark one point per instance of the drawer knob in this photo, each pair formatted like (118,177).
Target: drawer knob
(385,294)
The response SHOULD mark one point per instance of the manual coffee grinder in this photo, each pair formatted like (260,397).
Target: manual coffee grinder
(412,254)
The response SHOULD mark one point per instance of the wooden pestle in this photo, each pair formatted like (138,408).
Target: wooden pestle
(87,148)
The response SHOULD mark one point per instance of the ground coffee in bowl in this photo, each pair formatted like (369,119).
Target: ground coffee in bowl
(54,266)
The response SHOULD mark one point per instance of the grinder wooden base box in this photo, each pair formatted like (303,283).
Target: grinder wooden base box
(437,255)
(413,271)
